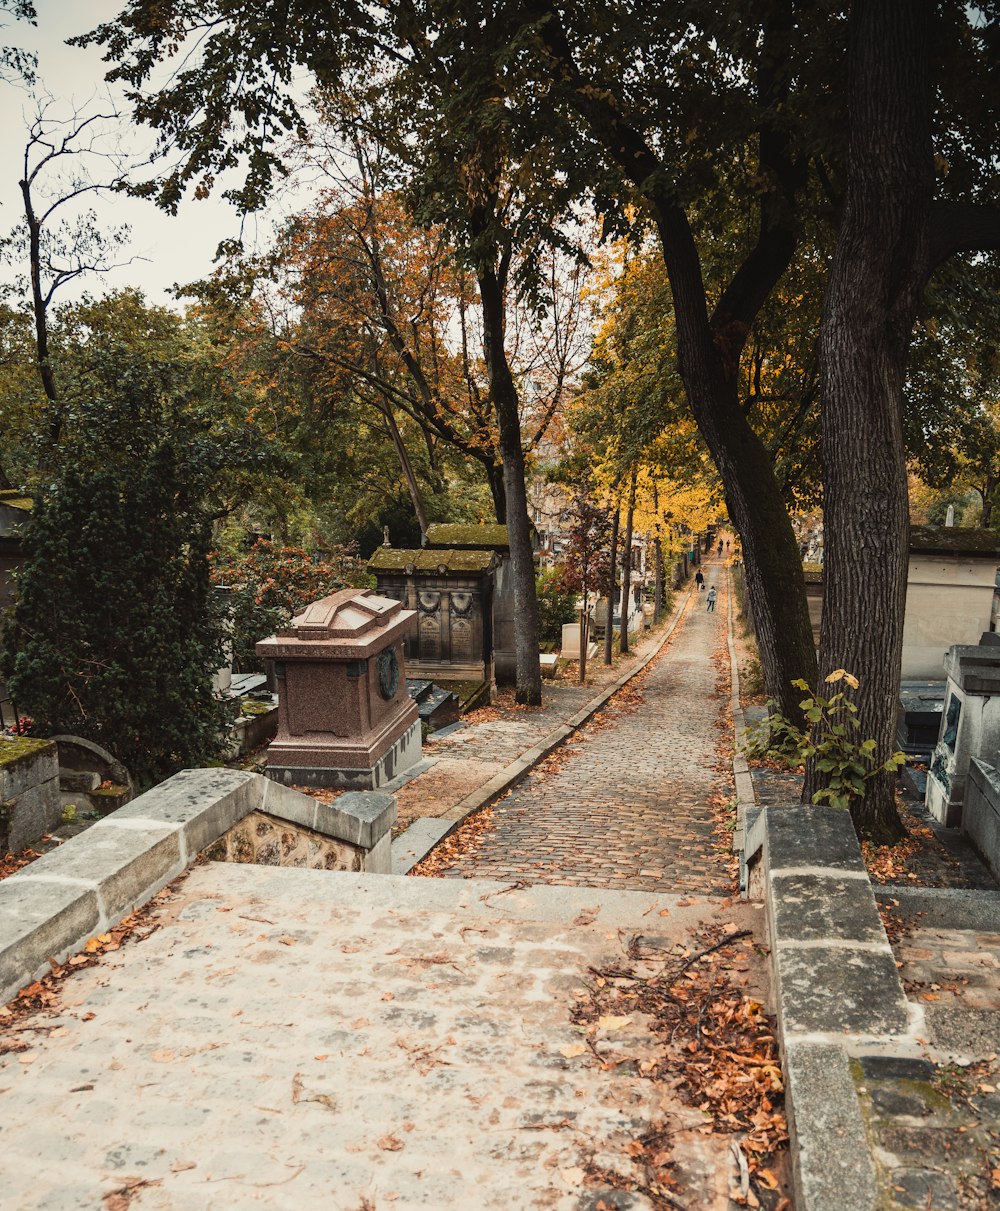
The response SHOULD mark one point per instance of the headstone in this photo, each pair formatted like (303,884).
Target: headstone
(345,718)
(950,516)
(970,727)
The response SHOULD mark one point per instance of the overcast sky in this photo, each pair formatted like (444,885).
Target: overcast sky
(177,249)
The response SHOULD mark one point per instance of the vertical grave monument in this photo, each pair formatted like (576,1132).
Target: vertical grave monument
(344,716)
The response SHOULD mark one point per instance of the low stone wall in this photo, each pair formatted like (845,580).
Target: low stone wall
(837,990)
(981,813)
(29,791)
(49,909)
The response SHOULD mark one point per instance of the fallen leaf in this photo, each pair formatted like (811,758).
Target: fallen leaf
(572,1050)
(389,1143)
(163,1055)
(181,1166)
(388,996)
(29,1057)
(573,1176)
(613,1021)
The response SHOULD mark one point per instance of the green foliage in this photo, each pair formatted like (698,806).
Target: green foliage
(113,636)
(844,762)
(556,607)
(269,584)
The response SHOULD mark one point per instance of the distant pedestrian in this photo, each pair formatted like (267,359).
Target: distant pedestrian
(710,600)
(720,546)
(727,544)
(699,580)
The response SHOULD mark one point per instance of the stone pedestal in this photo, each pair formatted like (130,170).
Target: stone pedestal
(344,716)
(970,726)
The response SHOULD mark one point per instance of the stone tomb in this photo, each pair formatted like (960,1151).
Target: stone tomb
(344,716)
(970,725)
(441,537)
(451,593)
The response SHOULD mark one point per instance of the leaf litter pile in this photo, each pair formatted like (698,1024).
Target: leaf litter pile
(716,1052)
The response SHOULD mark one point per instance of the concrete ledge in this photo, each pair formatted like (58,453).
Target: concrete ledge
(833,1168)
(418,840)
(837,991)
(50,908)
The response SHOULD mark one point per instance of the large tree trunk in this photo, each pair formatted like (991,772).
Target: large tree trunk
(878,272)
(774,578)
(529,674)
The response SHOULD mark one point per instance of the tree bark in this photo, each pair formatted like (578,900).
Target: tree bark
(880,266)
(416,499)
(495,480)
(609,630)
(626,598)
(529,674)
(39,307)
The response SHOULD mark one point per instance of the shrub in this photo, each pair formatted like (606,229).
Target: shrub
(831,737)
(270,584)
(555,608)
(113,635)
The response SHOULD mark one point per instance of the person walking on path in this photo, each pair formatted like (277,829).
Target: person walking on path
(710,601)
(699,580)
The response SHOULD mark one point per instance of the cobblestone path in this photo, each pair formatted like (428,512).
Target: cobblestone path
(628,802)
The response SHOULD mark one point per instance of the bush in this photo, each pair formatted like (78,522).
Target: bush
(113,635)
(555,608)
(844,762)
(270,584)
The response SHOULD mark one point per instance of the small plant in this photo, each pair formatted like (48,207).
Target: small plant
(69,813)
(846,762)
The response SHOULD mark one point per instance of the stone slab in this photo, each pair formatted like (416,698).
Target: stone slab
(124,865)
(833,1167)
(360,1041)
(963,1033)
(946,907)
(834,989)
(203,803)
(814,907)
(40,920)
(803,835)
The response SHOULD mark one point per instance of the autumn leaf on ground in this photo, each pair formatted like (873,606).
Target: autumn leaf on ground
(390,1143)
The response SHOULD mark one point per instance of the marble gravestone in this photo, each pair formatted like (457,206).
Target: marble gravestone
(345,718)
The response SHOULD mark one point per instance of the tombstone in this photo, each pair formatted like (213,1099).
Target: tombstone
(345,718)
(451,595)
(970,725)
(570,648)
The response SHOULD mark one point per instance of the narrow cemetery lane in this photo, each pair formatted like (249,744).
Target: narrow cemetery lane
(636,799)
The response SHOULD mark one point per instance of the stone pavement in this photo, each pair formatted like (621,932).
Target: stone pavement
(296,1038)
(491,740)
(628,802)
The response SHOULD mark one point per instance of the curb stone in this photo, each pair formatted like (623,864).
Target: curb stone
(409,849)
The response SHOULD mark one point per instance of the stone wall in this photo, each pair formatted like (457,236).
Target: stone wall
(263,840)
(29,791)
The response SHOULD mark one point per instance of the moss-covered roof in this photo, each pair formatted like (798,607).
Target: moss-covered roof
(15,499)
(426,562)
(955,540)
(468,537)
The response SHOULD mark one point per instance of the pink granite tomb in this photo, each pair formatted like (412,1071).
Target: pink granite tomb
(344,716)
